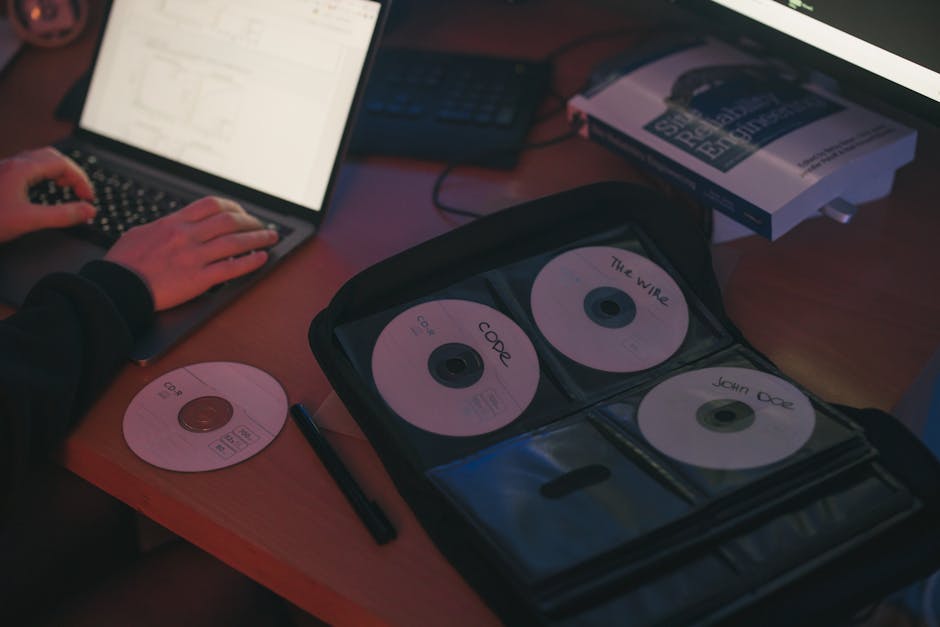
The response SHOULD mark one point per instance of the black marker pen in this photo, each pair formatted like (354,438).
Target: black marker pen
(368,511)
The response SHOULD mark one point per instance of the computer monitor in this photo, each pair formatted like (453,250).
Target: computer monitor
(888,49)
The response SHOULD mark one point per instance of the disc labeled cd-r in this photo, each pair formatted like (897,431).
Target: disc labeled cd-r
(205,416)
(455,367)
(726,418)
(609,309)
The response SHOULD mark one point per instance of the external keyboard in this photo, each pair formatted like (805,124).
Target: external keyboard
(449,107)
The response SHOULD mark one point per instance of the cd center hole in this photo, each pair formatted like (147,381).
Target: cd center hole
(610,308)
(725,415)
(455,365)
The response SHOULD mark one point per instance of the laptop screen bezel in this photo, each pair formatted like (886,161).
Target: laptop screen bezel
(223,185)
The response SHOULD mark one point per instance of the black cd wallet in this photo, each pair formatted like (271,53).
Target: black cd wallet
(559,396)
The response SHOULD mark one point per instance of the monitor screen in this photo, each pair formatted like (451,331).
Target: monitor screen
(887,49)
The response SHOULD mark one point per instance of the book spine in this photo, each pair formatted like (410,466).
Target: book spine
(709,194)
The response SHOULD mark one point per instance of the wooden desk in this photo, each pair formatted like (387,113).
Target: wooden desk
(850,311)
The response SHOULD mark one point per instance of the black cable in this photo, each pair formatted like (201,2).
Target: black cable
(450,167)
(436,195)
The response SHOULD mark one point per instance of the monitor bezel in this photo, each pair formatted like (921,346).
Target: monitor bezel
(732,26)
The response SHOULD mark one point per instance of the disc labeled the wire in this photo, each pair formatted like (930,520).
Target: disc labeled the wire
(205,416)
(455,367)
(609,309)
(726,418)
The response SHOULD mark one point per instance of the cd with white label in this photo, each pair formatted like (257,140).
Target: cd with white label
(609,309)
(205,416)
(455,367)
(726,418)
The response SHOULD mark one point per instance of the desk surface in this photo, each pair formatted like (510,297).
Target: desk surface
(850,311)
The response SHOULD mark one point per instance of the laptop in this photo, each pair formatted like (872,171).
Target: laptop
(242,99)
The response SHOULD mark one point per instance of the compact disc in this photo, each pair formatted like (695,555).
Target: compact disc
(609,309)
(205,416)
(726,418)
(455,367)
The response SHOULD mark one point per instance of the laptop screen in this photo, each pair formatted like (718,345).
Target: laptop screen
(254,92)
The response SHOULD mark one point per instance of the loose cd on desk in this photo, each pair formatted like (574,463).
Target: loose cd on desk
(726,418)
(205,416)
(455,367)
(609,309)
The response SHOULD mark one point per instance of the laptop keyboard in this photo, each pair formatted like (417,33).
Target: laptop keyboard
(122,202)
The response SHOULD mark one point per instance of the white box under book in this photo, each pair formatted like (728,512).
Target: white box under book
(729,128)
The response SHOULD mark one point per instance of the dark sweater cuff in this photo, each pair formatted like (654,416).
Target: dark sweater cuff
(128,292)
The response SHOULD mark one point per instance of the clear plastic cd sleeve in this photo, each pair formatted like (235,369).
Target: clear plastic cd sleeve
(585,304)
(431,432)
(740,452)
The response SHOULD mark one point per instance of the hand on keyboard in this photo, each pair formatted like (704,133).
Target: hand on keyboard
(19,216)
(179,250)
(182,255)
(122,202)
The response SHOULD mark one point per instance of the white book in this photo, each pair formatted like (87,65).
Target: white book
(731,129)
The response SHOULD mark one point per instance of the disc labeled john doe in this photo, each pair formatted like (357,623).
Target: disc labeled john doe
(726,418)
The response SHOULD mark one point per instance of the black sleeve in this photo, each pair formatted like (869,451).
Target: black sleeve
(57,353)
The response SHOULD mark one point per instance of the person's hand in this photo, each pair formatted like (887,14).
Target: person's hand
(182,255)
(18,215)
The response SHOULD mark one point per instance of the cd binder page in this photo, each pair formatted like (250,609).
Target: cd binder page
(588,438)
